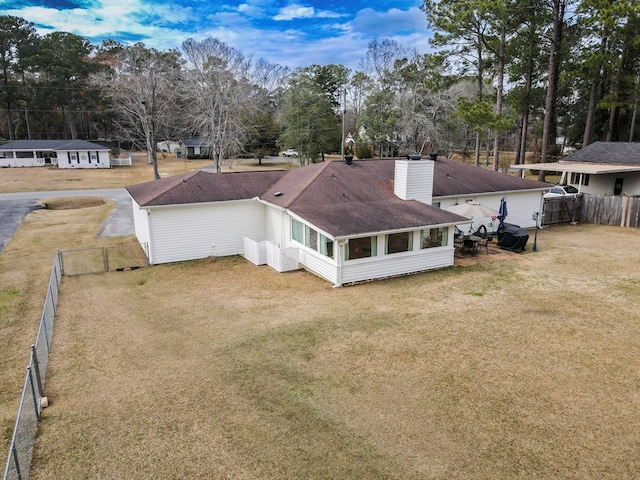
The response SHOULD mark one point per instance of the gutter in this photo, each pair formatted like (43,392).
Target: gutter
(197,204)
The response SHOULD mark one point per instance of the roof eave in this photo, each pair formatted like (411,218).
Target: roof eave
(195,204)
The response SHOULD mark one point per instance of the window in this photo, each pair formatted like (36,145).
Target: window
(361,248)
(399,242)
(326,245)
(575,178)
(434,237)
(297,231)
(310,238)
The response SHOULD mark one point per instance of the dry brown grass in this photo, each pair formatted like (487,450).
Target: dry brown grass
(52,178)
(25,266)
(527,368)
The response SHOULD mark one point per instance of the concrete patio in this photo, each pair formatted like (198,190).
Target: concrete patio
(461,259)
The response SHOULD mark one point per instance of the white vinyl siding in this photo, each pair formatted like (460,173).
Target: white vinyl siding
(520,205)
(277,226)
(84,159)
(413,180)
(319,264)
(396,264)
(198,231)
(603,184)
(141,224)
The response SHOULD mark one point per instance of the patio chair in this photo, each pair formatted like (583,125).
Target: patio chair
(481,232)
(485,242)
(469,246)
(458,235)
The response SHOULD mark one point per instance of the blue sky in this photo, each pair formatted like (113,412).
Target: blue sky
(292,33)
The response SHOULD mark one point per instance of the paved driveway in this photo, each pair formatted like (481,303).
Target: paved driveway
(15,206)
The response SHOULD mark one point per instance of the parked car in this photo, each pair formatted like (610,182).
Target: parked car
(290,153)
(562,191)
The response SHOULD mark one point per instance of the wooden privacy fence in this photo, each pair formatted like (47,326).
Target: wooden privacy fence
(623,211)
(562,209)
(614,210)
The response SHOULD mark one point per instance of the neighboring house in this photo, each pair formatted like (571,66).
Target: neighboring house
(63,153)
(344,223)
(601,168)
(168,146)
(191,146)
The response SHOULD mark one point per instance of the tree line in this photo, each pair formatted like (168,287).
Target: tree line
(510,75)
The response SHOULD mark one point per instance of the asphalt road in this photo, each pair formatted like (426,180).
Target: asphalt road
(15,206)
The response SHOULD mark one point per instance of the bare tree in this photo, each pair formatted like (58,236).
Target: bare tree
(426,102)
(219,97)
(141,89)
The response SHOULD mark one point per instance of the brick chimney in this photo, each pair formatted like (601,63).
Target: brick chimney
(413,180)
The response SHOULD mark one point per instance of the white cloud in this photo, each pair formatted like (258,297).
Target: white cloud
(251,10)
(295,11)
(391,22)
(167,26)
(329,14)
(291,12)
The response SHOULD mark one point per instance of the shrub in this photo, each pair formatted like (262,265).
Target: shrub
(364,150)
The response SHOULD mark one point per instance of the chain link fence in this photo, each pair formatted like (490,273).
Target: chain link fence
(32,399)
(103,259)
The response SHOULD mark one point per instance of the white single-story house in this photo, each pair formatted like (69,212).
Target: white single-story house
(63,153)
(168,146)
(345,223)
(601,168)
(191,146)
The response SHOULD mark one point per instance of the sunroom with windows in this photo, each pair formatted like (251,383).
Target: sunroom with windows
(353,259)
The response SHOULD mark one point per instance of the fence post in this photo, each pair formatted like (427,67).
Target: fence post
(105,257)
(53,303)
(14,451)
(61,262)
(36,366)
(36,400)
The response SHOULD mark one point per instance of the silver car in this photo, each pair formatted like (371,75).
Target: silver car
(562,191)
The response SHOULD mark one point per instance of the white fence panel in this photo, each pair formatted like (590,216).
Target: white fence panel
(119,162)
(255,252)
(282,259)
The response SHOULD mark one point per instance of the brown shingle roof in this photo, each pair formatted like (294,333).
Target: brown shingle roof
(202,187)
(346,200)
(353,218)
(337,198)
(352,199)
(453,178)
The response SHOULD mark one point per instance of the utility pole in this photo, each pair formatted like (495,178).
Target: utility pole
(344,113)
